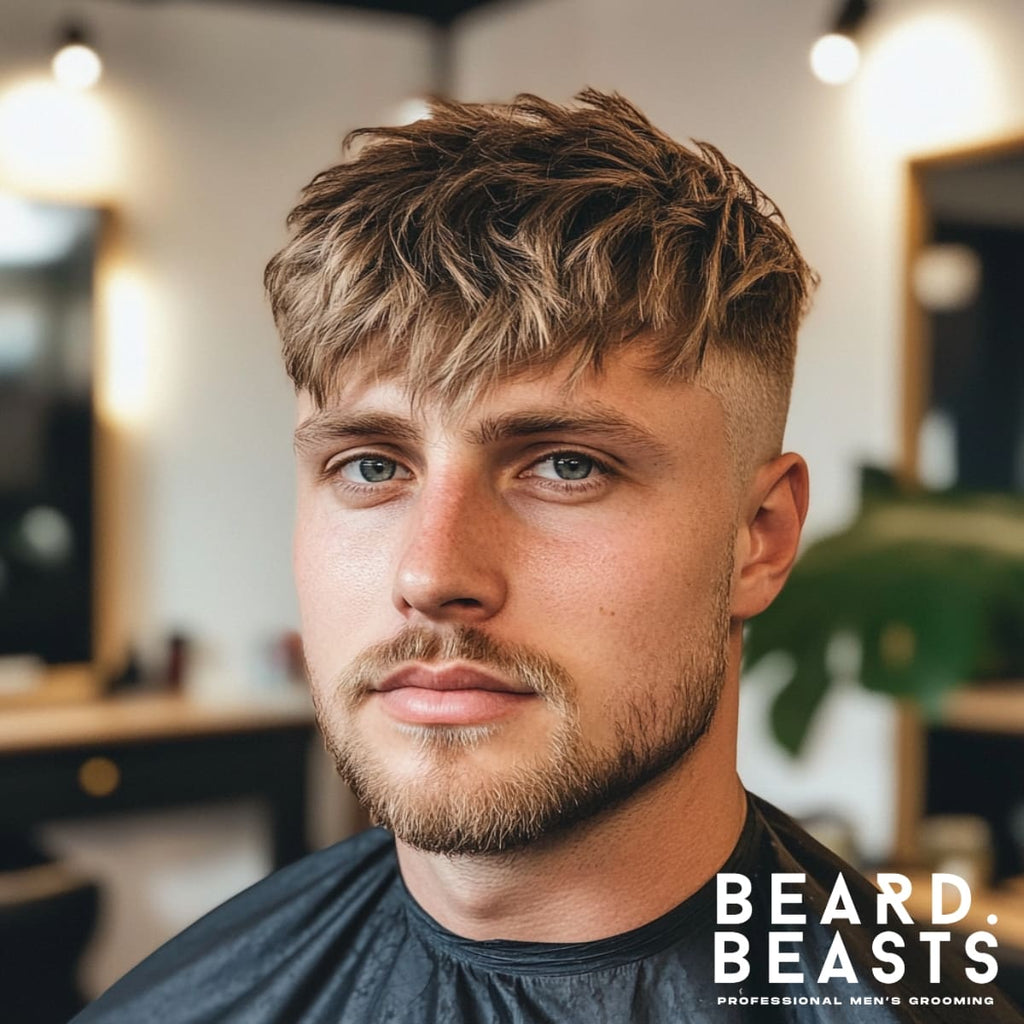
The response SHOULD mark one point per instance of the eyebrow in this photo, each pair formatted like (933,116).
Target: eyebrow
(330,426)
(595,420)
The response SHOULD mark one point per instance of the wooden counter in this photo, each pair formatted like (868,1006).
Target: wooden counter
(148,752)
(989,707)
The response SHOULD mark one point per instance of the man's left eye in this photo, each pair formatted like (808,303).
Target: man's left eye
(566,466)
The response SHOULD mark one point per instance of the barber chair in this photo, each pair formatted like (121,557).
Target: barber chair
(47,915)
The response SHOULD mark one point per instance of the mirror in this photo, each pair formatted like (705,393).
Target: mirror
(47,429)
(965,294)
(963,427)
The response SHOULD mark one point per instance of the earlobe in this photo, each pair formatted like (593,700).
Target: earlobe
(769,536)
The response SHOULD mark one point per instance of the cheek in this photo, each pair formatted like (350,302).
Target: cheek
(625,590)
(342,582)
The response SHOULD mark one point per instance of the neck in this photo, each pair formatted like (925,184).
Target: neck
(621,870)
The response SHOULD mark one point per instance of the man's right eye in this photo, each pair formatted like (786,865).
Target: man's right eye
(372,469)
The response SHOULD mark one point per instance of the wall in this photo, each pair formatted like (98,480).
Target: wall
(209,119)
(934,75)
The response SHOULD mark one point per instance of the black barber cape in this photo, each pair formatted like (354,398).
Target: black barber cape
(337,939)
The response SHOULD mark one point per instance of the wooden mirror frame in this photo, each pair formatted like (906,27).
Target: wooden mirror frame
(916,340)
(111,498)
(917,347)
(109,474)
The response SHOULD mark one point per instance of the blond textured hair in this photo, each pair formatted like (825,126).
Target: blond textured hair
(488,240)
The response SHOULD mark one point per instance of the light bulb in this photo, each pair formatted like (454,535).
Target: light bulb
(77,66)
(947,277)
(835,58)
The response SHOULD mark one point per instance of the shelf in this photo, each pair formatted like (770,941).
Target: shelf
(986,707)
(145,717)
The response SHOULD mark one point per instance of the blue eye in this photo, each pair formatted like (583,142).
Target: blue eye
(566,466)
(572,467)
(372,469)
(376,470)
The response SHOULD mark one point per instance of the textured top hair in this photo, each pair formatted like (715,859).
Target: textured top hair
(487,240)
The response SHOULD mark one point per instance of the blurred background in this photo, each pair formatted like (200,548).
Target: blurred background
(145,481)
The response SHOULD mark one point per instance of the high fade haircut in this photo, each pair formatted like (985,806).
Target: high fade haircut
(486,241)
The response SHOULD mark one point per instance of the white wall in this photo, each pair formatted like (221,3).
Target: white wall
(734,72)
(209,119)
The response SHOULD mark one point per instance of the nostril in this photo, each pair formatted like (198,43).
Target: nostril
(433,583)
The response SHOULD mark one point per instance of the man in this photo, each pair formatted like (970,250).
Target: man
(543,357)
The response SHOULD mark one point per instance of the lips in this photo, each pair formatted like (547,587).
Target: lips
(452,695)
(447,677)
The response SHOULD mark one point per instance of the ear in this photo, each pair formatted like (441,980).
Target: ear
(769,533)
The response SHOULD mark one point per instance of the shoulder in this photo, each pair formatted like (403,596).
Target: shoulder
(349,872)
(327,896)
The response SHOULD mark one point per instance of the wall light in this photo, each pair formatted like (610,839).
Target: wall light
(835,56)
(55,142)
(125,396)
(947,277)
(76,64)
(933,81)
(415,108)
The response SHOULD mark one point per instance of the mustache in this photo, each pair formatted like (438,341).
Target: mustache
(524,665)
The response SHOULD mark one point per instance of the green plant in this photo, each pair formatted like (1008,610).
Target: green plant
(932,585)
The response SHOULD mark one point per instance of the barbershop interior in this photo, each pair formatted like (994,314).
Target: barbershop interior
(158,752)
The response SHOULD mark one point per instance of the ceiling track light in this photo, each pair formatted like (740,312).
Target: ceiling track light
(835,56)
(851,16)
(76,64)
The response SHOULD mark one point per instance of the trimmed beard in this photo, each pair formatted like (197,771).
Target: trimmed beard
(447,811)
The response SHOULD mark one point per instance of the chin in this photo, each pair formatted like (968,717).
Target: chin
(447,738)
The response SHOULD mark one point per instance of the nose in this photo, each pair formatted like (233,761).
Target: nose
(451,567)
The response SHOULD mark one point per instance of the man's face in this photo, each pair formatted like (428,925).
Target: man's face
(516,616)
